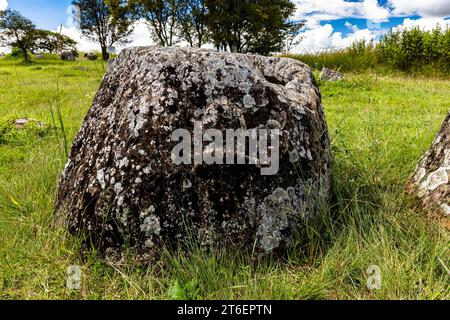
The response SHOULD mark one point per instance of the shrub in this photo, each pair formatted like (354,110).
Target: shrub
(412,50)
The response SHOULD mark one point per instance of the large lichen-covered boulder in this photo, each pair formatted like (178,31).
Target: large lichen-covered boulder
(123,188)
(430,182)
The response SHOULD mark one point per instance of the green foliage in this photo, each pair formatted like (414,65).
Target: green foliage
(162,17)
(105,22)
(17,31)
(15,53)
(250,26)
(413,51)
(189,291)
(52,42)
(10,133)
(360,56)
(191,18)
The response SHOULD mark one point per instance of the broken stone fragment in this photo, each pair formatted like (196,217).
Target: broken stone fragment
(331,75)
(22,122)
(122,187)
(430,183)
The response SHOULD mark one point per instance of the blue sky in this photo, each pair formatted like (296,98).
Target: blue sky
(47,14)
(331,23)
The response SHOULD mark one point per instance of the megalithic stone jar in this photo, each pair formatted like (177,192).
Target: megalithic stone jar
(122,187)
(430,182)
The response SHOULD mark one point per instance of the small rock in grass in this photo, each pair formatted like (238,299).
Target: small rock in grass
(68,55)
(82,68)
(22,122)
(91,56)
(331,75)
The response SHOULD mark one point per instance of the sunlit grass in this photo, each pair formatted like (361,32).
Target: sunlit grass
(380,126)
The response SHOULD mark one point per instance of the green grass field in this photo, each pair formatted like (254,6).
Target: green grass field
(380,127)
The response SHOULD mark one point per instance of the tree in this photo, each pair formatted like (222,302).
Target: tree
(191,18)
(161,17)
(107,22)
(250,26)
(16,31)
(291,35)
(51,42)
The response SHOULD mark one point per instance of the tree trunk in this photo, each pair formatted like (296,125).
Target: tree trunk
(26,58)
(105,53)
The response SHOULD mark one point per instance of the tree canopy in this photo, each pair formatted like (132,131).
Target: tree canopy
(250,26)
(16,31)
(106,22)
(51,42)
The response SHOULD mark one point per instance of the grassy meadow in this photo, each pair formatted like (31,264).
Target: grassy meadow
(380,127)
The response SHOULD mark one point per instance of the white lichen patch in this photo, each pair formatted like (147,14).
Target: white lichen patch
(124,163)
(118,188)
(421,173)
(67,168)
(274,219)
(151,226)
(101,178)
(446,208)
(137,122)
(435,179)
(249,102)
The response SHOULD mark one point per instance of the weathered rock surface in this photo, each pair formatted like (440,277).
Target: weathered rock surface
(68,55)
(330,75)
(431,180)
(91,56)
(122,187)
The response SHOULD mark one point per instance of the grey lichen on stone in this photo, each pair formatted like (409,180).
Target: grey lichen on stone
(151,226)
(430,182)
(274,212)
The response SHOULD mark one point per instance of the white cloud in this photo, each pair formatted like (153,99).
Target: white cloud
(83,43)
(351,27)
(140,37)
(3,4)
(314,40)
(338,9)
(423,8)
(339,41)
(426,24)
(324,38)
(373,11)
(318,37)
